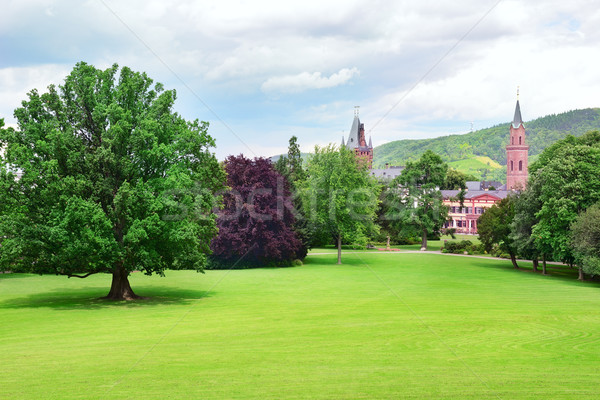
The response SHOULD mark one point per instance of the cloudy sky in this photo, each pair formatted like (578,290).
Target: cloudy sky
(262,71)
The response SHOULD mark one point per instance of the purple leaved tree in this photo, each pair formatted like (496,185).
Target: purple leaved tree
(256,222)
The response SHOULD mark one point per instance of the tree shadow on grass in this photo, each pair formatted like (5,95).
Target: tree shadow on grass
(12,275)
(564,274)
(90,298)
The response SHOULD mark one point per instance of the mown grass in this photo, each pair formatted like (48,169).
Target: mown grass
(383,325)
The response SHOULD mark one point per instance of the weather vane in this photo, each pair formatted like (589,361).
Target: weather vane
(518,92)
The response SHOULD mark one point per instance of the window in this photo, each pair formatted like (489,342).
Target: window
(511,165)
(521,165)
(513,140)
(519,139)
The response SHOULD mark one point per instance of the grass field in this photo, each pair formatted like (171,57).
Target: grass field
(383,325)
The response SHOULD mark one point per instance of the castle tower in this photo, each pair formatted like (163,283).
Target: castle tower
(516,153)
(357,141)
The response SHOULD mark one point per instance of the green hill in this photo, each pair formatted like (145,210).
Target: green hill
(482,167)
(464,152)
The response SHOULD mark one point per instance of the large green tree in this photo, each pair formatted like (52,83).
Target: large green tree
(568,177)
(418,203)
(338,196)
(112,181)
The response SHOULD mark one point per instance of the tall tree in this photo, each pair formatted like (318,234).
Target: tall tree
(339,197)
(585,239)
(112,180)
(418,204)
(526,207)
(291,168)
(256,224)
(568,176)
(494,228)
(294,157)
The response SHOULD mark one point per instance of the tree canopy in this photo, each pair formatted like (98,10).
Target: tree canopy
(339,197)
(256,223)
(567,178)
(112,180)
(416,202)
(494,228)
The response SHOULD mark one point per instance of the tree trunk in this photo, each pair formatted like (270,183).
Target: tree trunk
(120,288)
(544,265)
(339,247)
(535,265)
(424,241)
(513,259)
(580,278)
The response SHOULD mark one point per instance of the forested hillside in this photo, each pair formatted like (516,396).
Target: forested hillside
(491,142)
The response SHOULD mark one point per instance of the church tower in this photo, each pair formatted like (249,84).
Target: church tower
(516,153)
(357,141)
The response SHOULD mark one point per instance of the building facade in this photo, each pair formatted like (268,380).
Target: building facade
(477,199)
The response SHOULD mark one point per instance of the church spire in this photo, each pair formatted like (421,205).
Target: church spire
(517,120)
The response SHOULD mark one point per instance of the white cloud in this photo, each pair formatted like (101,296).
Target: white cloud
(234,52)
(306,81)
(16,82)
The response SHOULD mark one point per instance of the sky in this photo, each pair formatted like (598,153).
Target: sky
(262,71)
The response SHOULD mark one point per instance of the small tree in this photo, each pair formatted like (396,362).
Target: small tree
(456,180)
(256,223)
(418,205)
(339,197)
(494,228)
(111,181)
(585,239)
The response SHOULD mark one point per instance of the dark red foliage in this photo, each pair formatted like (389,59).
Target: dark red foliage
(256,223)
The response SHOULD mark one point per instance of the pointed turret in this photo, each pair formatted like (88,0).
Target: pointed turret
(357,142)
(354,136)
(343,142)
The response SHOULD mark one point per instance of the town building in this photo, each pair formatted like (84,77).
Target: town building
(479,195)
(387,174)
(517,152)
(357,142)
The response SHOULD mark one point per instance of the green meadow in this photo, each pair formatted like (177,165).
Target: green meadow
(382,326)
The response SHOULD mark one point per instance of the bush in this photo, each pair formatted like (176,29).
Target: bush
(458,247)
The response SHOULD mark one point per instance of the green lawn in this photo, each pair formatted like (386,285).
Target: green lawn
(383,325)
